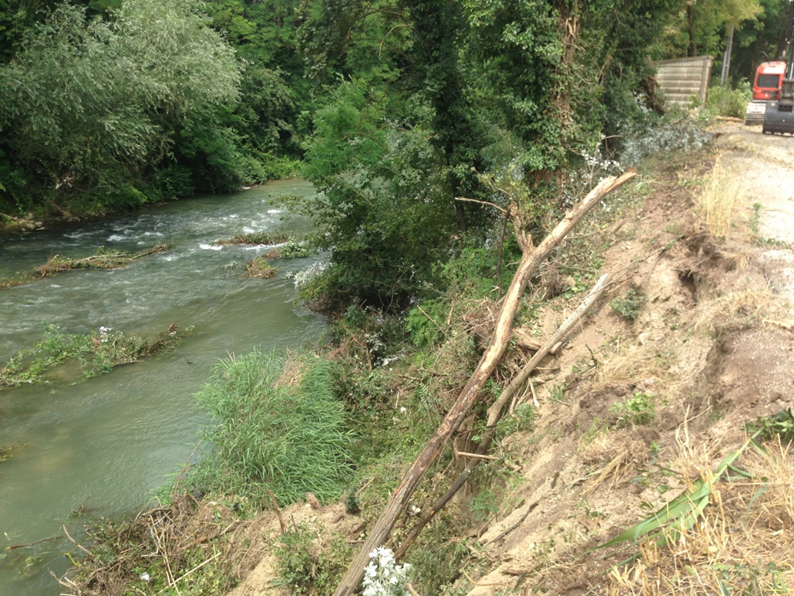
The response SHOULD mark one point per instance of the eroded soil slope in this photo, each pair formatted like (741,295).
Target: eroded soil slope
(653,388)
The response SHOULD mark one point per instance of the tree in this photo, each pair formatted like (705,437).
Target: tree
(765,34)
(88,102)
(383,211)
(700,27)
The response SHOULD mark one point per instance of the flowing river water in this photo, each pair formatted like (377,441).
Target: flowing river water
(104,445)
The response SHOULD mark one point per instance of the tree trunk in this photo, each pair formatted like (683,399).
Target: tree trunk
(460,216)
(690,16)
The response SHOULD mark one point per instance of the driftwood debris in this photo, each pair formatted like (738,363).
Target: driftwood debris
(494,412)
(531,259)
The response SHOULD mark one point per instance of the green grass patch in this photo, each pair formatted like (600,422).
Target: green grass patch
(95,353)
(279,427)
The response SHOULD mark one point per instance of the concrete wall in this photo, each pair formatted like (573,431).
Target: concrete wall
(681,79)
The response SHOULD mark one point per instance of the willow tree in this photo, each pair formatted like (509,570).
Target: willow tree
(88,103)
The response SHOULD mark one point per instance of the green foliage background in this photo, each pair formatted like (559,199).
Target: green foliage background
(393,108)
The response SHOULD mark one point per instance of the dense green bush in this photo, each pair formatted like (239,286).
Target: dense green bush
(385,210)
(273,433)
(724,101)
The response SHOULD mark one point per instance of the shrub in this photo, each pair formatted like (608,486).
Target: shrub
(307,568)
(274,433)
(724,101)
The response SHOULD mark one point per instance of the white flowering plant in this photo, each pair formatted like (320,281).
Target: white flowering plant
(383,577)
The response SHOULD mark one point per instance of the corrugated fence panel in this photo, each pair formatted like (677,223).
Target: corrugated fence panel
(681,79)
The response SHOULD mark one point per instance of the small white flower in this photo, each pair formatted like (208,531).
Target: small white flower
(383,577)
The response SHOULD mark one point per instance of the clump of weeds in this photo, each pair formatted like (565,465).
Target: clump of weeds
(292,249)
(629,305)
(255,238)
(307,564)
(259,268)
(635,411)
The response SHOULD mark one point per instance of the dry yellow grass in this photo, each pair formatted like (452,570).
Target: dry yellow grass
(620,451)
(733,308)
(743,545)
(716,205)
(637,363)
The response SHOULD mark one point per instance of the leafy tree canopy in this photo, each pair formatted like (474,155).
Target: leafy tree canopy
(87,100)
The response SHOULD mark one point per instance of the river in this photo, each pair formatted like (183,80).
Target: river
(104,445)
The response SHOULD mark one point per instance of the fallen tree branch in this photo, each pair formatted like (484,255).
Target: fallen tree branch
(77,544)
(494,205)
(476,455)
(495,410)
(531,259)
(476,583)
(494,413)
(506,531)
(15,546)
(14,219)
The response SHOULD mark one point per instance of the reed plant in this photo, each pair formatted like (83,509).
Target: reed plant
(278,429)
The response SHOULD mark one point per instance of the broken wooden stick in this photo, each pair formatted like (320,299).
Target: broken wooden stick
(15,546)
(494,414)
(531,259)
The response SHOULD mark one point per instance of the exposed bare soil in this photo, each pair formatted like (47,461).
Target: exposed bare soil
(712,342)
(711,347)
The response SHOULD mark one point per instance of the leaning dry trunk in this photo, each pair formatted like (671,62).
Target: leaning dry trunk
(529,262)
(495,412)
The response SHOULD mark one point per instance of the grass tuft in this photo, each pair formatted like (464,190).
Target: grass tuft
(285,438)
(717,203)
